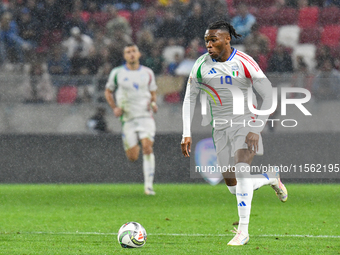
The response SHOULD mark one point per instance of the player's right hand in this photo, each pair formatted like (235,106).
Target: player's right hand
(252,140)
(186,146)
(117,111)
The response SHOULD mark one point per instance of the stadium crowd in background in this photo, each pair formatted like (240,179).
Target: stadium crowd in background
(81,37)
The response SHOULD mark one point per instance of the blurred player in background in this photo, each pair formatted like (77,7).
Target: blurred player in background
(131,93)
(222,69)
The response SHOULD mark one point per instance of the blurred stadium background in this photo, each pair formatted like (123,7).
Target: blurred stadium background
(51,86)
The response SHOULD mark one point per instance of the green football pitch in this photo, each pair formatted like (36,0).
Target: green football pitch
(180,219)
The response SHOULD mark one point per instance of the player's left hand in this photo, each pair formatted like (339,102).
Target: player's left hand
(252,140)
(186,146)
(154,107)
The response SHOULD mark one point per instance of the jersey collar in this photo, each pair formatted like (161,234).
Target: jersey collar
(231,55)
(125,66)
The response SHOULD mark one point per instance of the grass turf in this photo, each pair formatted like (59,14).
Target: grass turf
(180,219)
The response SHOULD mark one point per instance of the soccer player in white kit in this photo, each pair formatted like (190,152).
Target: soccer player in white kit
(221,75)
(135,88)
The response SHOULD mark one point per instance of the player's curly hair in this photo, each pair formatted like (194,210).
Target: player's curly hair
(221,24)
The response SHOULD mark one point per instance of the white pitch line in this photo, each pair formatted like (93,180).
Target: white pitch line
(179,234)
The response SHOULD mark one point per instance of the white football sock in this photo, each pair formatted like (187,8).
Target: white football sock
(244,195)
(232,189)
(266,178)
(260,181)
(148,170)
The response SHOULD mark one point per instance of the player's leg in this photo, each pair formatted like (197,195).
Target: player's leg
(270,177)
(148,165)
(146,135)
(130,141)
(133,153)
(246,184)
(224,159)
(244,194)
(230,180)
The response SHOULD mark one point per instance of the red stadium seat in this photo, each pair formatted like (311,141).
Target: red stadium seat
(266,16)
(126,14)
(173,97)
(137,19)
(261,3)
(310,35)
(229,3)
(253,10)
(271,32)
(49,39)
(232,11)
(308,17)
(329,16)
(85,16)
(331,35)
(101,18)
(67,95)
(286,16)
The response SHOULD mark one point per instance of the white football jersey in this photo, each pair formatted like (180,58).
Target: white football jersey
(132,90)
(216,80)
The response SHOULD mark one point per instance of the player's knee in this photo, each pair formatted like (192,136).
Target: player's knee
(230,181)
(147,150)
(132,157)
(229,177)
(132,154)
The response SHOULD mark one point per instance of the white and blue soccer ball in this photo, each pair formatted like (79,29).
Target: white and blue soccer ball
(132,235)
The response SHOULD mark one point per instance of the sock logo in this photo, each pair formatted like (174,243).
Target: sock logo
(242,194)
(242,204)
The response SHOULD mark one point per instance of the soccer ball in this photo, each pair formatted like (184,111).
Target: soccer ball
(131,235)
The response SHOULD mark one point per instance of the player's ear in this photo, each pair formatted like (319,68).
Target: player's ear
(227,39)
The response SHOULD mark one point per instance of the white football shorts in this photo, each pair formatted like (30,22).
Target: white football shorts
(228,141)
(138,129)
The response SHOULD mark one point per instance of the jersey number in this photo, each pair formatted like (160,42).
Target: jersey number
(227,80)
